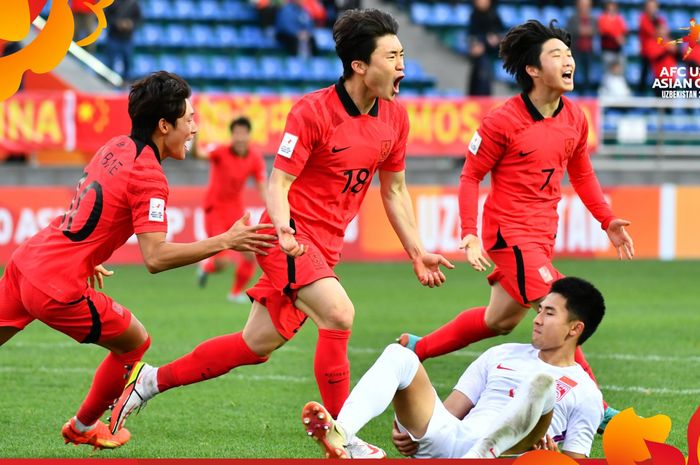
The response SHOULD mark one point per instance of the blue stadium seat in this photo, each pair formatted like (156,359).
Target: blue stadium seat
(501,74)
(143,65)
(509,15)
(460,42)
(678,19)
(245,68)
(421,13)
(176,35)
(184,9)
(530,12)
(324,39)
(172,63)
(633,70)
(221,67)
(462,13)
(443,15)
(296,69)
(196,66)
(550,12)
(209,10)
(271,68)
(157,9)
(632,48)
(203,36)
(147,35)
(227,36)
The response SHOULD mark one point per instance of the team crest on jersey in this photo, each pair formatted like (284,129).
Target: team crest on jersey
(384,149)
(289,141)
(156,212)
(564,385)
(475,143)
(569,146)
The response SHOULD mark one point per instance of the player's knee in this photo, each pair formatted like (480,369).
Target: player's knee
(339,316)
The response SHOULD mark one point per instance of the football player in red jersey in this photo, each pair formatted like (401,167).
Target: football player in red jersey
(526,145)
(335,140)
(230,167)
(123,191)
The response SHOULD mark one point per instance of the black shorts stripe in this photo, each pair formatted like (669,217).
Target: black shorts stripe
(96,329)
(520,270)
(291,267)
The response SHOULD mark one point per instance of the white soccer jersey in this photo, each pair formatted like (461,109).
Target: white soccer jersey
(492,379)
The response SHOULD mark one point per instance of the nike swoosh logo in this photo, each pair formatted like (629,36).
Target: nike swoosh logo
(524,154)
(335,381)
(501,367)
(336,149)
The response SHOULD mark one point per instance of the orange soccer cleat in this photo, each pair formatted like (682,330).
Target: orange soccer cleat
(99,437)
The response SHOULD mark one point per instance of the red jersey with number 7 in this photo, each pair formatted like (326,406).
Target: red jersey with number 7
(334,151)
(527,156)
(123,191)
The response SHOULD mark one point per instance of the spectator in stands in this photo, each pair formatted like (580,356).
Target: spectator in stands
(85,22)
(613,31)
(293,29)
(485,30)
(583,29)
(614,83)
(662,53)
(123,16)
(267,11)
(648,22)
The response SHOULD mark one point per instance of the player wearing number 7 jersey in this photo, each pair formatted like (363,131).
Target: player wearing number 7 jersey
(527,145)
(123,191)
(335,140)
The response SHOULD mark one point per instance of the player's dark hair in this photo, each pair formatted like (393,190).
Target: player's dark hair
(522,46)
(240,121)
(583,301)
(356,33)
(160,95)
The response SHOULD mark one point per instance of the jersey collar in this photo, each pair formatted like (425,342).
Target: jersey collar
(534,112)
(349,105)
(141,144)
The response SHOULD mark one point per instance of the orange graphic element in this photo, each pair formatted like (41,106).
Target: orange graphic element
(692,38)
(49,47)
(96,111)
(544,457)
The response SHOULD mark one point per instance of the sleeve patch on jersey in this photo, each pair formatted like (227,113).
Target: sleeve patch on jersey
(287,146)
(156,212)
(475,143)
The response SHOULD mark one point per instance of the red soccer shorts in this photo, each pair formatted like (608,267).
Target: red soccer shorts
(95,317)
(218,220)
(525,272)
(283,277)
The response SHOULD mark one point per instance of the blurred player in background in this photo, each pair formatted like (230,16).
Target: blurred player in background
(230,167)
(505,401)
(335,140)
(123,191)
(527,145)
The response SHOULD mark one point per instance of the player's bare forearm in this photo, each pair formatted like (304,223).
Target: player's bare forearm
(277,200)
(160,255)
(399,210)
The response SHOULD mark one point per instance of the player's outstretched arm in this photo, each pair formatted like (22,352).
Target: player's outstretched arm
(160,255)
(620,238)
(278,209)
(474,251)
(399,210)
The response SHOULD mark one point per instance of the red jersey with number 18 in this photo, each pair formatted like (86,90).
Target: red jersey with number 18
(527,156)
(334,151)
(123,190)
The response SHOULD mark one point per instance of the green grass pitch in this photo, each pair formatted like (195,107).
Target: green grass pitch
(645,355)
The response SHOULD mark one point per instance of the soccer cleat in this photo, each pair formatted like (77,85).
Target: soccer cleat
(99,437)
(320,425)
(132,397)
(359,449)
(240,298)
(607,416)
(409,341)
(202,277)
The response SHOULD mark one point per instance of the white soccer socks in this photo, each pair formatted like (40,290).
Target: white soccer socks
(534,397)
(394,370)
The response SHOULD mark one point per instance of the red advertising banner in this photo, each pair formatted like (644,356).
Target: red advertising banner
(369,237)
(84,122)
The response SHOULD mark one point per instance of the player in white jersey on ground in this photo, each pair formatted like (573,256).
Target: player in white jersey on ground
(507,401)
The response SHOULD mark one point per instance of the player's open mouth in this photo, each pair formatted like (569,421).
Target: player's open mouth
(568,76)
(396,84)
(188,145)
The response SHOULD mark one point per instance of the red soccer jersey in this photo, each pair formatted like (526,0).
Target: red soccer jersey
(227,177)
(527,156)
(123,190)
(334,151)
